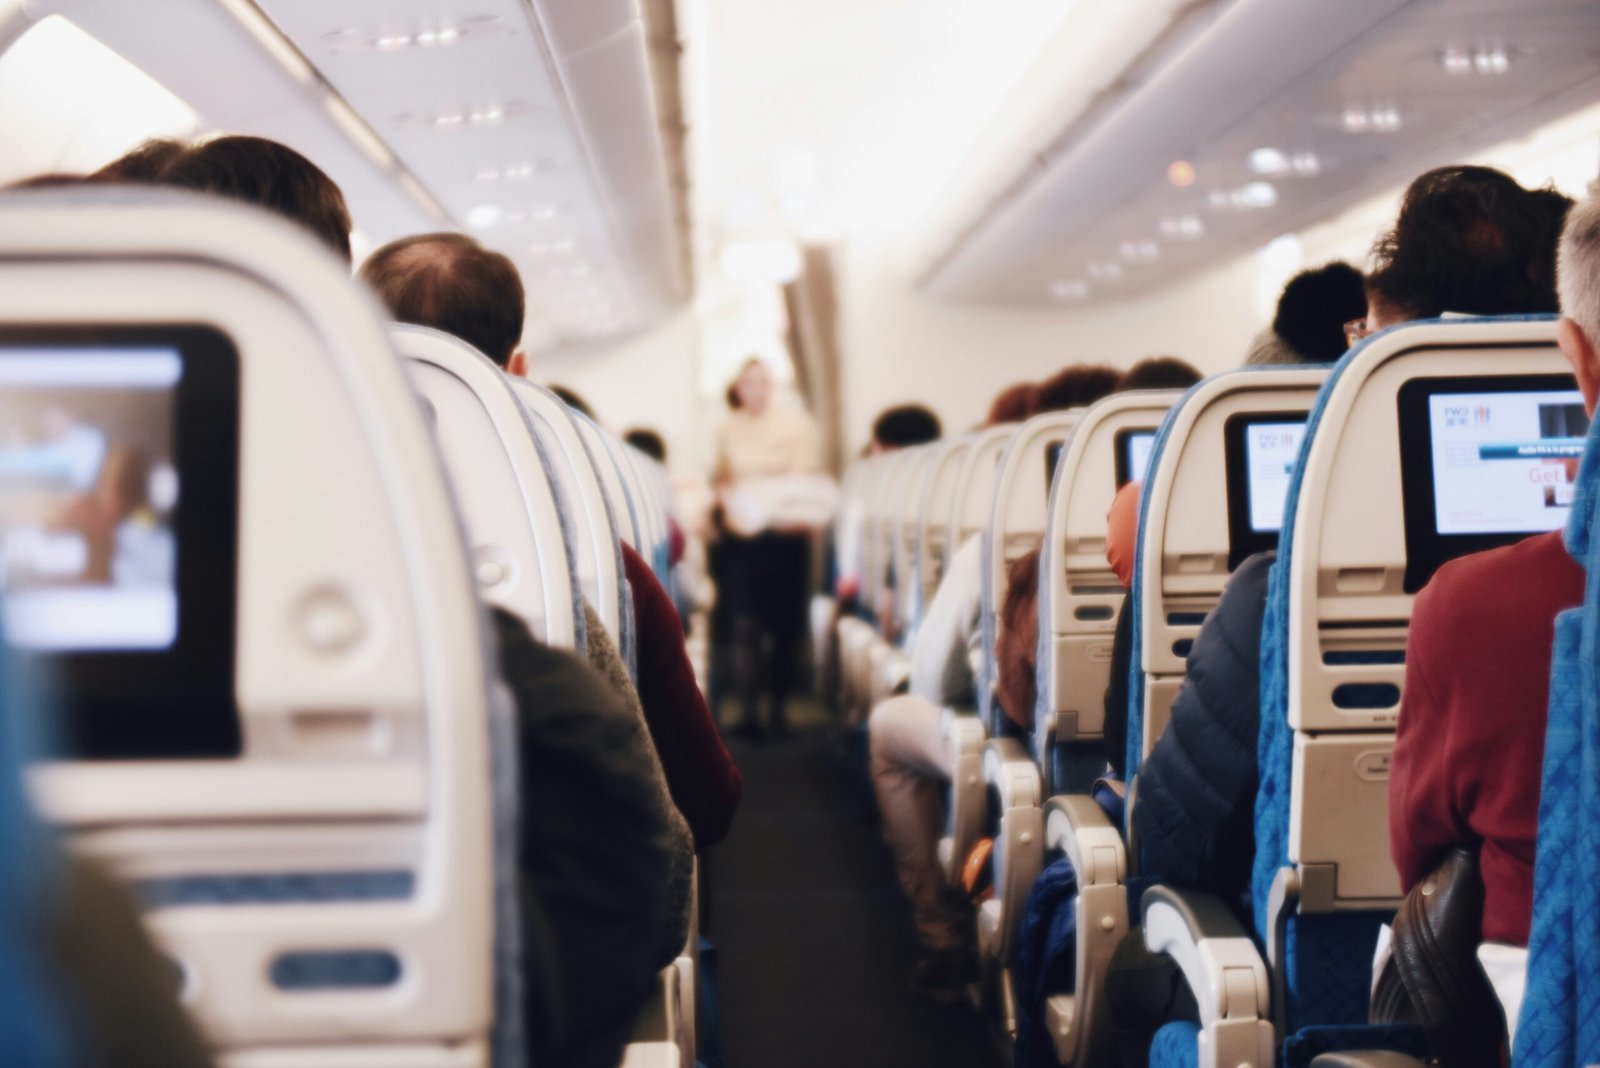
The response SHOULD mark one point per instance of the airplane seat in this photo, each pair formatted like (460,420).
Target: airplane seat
(964,732)
(1017,522)
(303,803)
(894,670)
(1373,485)
(597,544)
(503,486)
(630,526)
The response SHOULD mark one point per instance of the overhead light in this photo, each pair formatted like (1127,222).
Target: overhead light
(1269,161)
(1069,290)
(1305,165)
(1378,120)
(1255,195)
(520,172)
(1182,227)
(1140,251)
(1491,60)
(484,216)
(543,212)
(1109,271)
(771,262)
(1180,172)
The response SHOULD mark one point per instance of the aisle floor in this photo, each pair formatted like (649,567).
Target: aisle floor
(815,940)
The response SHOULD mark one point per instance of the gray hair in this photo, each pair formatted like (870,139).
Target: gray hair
(1578,266)
(1268,349)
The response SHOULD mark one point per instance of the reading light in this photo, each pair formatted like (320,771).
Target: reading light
(1255,195)
(1108,271)
(1069,290)
(483,216)
(1182,227)
(1379,120)
(1140,251)
(1269,161)
(1180,172)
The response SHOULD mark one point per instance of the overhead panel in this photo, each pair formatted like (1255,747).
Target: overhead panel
(1270,117)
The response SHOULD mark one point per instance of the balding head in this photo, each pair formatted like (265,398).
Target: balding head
(450,282)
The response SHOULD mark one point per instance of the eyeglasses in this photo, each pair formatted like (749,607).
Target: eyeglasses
(1355,330)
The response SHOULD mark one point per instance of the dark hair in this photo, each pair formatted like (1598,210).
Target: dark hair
(647,442)
(52,180)
(1011,405)
(1314,307)
(732,397)
(905,425)
(572,400)
(146,163)
(1077,386)
(269,175)
(1471,240)
(1159,372)
(451,283)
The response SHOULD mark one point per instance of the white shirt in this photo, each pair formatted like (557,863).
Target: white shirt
(949,642)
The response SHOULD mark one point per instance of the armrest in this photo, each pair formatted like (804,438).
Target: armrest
(1009,768)
(1373,1058)
(963,732)
(1224,971)
(1079,828)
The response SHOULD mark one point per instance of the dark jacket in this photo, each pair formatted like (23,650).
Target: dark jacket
(1195,812)
(594,855)
(1116,725)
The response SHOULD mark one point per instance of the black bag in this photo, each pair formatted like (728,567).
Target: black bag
(1433,978)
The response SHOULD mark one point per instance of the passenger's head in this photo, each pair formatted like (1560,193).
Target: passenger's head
(269,175)
(144,164)
(1076,387)
(903,426)
(1012,404)
(1159,372)
(452,283)
(1578,277)
(1314,308)
(753,387)
(1268,349)
(647,442)
(1468,240)
(573,401)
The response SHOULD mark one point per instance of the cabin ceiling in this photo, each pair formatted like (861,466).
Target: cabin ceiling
(1284,112)
(533,124)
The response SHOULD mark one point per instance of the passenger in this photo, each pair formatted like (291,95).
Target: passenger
(451,283)
(146,163)
(1012,404)
(910,762)
(1470,740)
(902,427)
(599,883)
(254,170)
(764,573)
(648,442)
(1312,313)
(573,401)
(1470,240)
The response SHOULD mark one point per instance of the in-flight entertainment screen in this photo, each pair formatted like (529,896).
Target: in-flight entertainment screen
(1486,461)
(118,516)
(1261,452)
(1133,455)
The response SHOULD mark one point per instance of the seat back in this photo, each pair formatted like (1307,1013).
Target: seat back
(625,510)
(888,479)
(1079,595)
(973,497)
(1016,525)
(289,745)
(643,477)
(1196,524)
(938,495)
(1402,438)
(503,486)
(597,548)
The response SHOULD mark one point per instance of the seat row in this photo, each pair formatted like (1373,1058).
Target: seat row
(323,818)
(1346,474)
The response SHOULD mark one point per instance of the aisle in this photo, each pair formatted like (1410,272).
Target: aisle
(816,942)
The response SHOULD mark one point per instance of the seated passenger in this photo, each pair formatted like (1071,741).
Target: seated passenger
(900,427)
(910,762)
(596,856)
(1468,239)
(1312,313)
(451,283)
(1470,740)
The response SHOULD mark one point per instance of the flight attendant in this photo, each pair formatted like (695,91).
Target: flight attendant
(765,556)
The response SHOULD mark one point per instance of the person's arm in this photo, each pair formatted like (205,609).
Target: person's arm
(1122,532)
(941,671)
(705,784)
(1197,788)
(1423,821)
(1017,644)
(595,852)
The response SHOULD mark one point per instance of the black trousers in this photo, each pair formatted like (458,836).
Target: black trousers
(764,587)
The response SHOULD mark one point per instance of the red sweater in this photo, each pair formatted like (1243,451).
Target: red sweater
(701,776)
(1470,743)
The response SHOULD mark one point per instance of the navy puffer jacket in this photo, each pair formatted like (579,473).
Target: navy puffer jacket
(1196,794)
